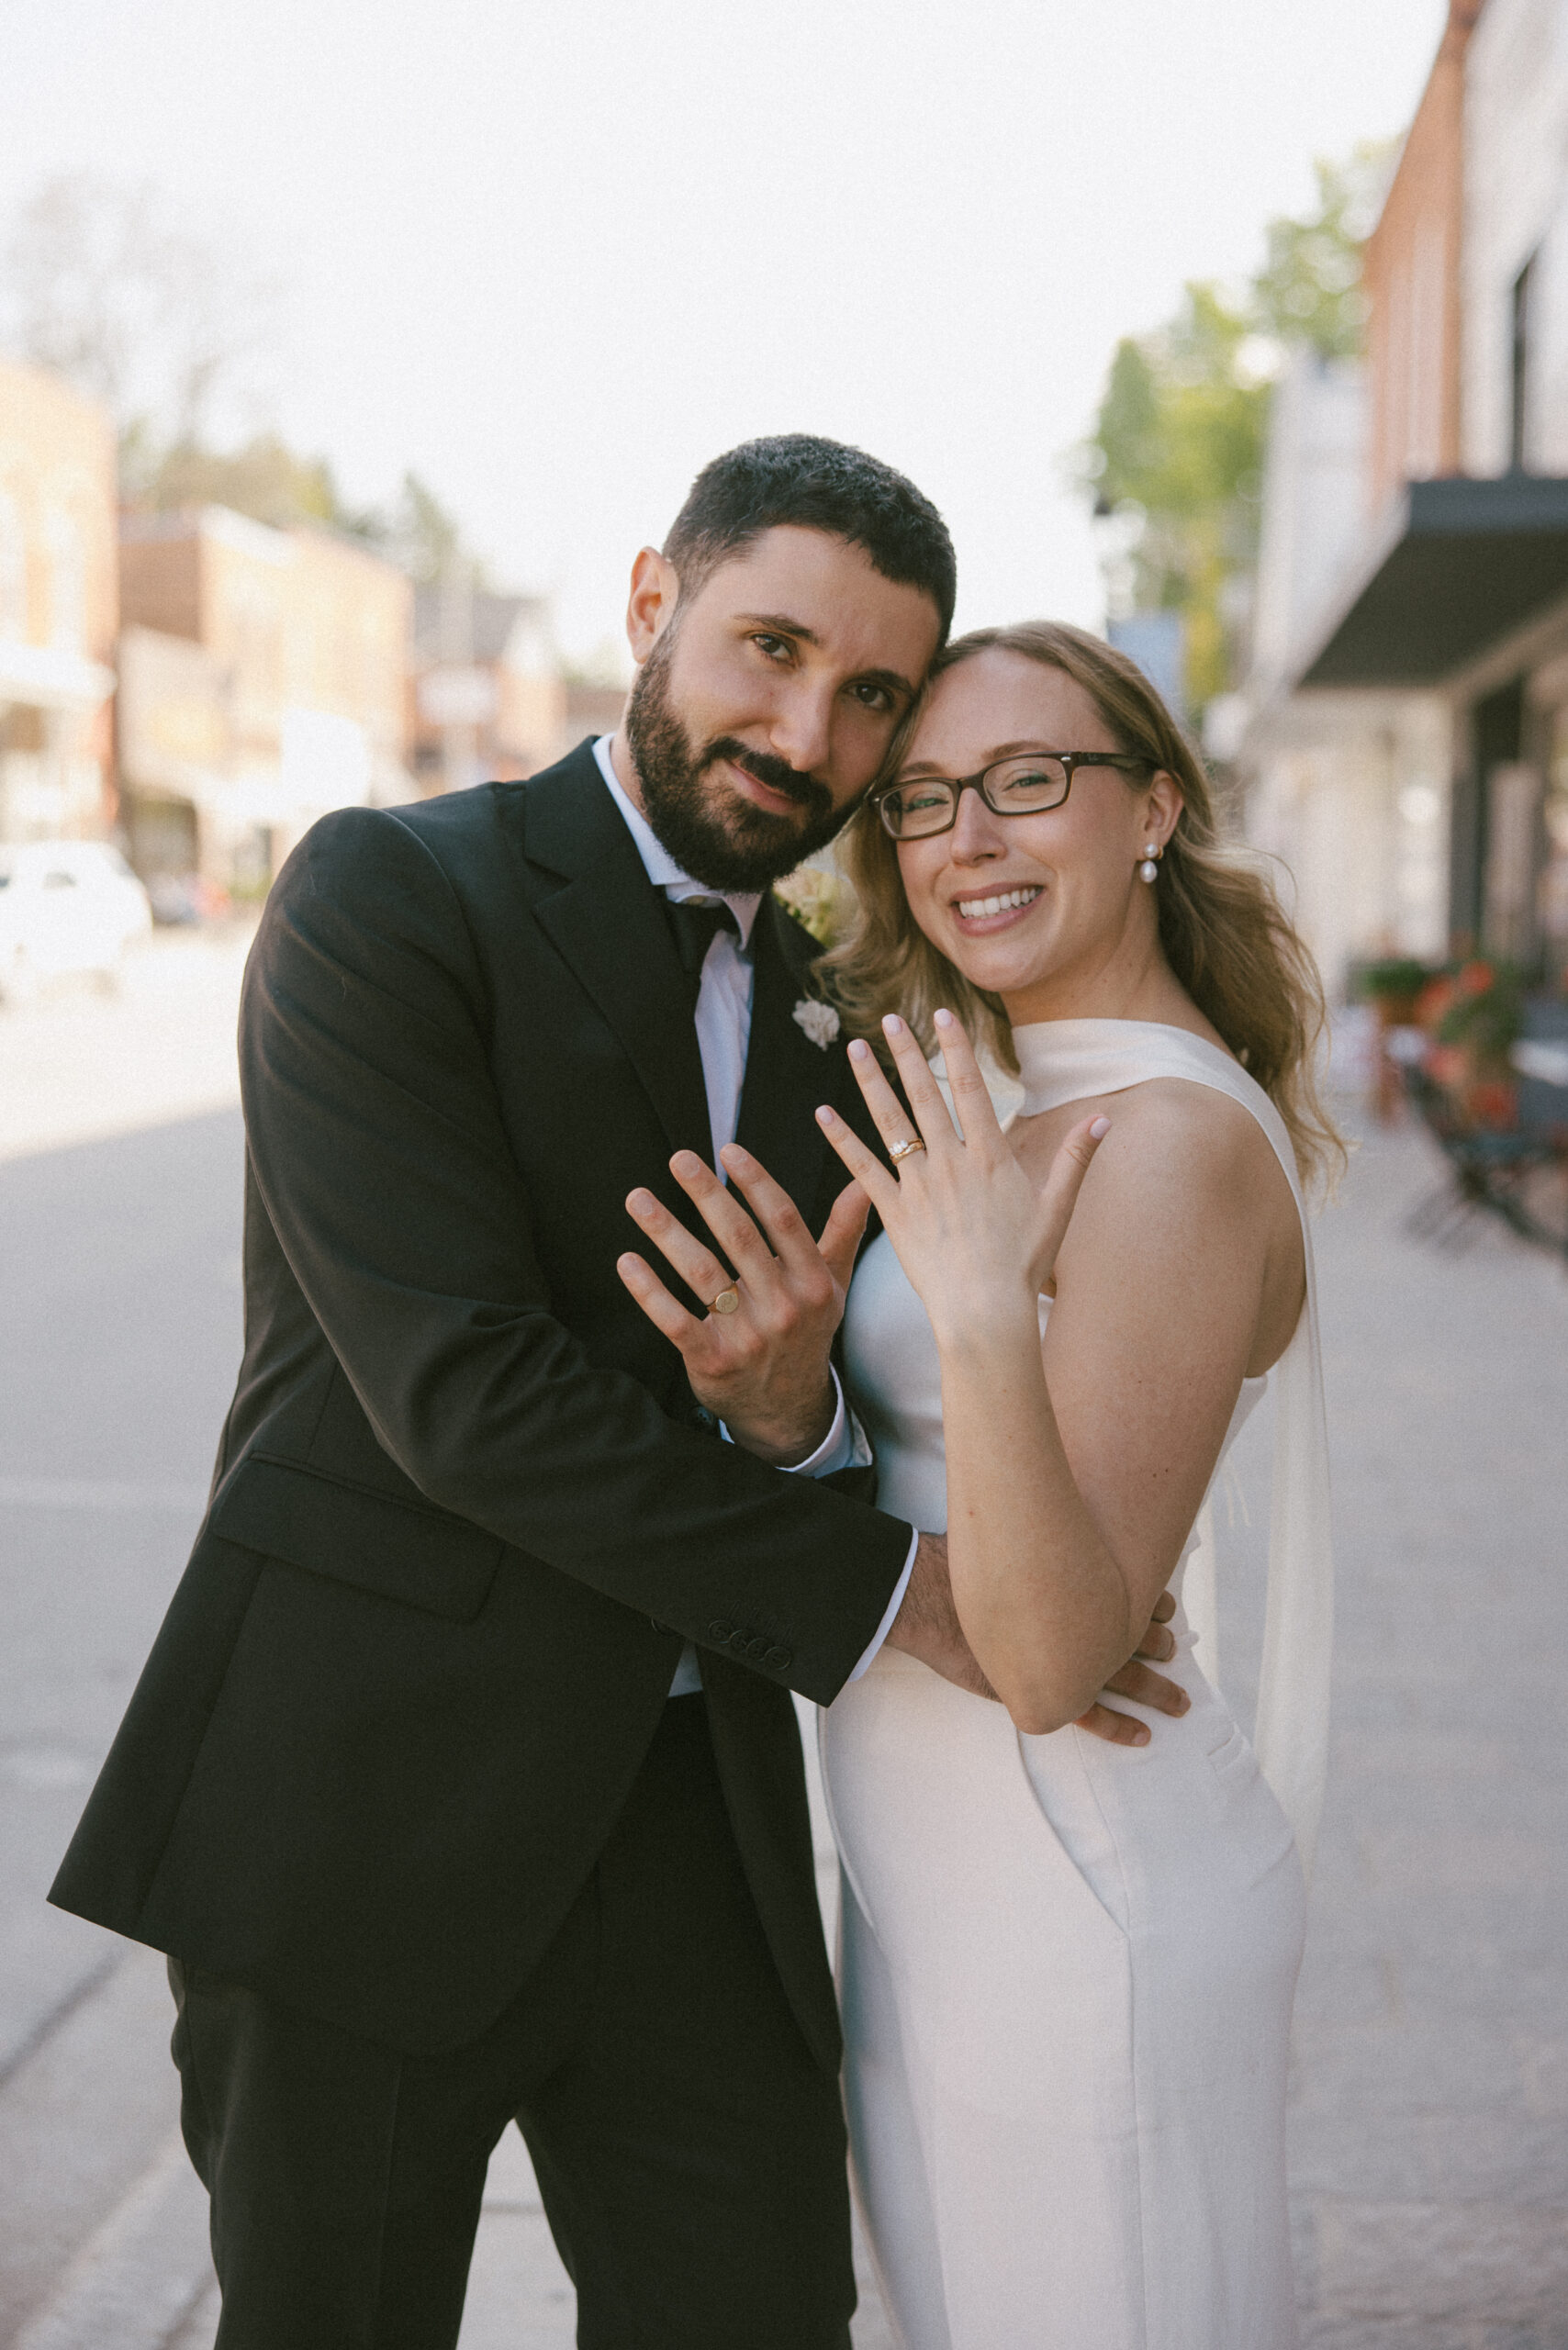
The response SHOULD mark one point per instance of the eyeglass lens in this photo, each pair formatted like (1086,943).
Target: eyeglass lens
(1021,786)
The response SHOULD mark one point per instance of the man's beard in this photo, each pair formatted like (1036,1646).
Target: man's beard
(728,844)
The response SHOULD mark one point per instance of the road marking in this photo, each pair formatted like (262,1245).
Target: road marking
(98,1492)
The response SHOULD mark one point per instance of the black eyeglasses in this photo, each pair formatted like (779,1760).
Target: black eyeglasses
(1024,786)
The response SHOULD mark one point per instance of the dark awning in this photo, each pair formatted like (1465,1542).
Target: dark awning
(1458,565)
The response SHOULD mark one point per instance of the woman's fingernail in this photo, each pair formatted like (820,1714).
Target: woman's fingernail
(641,1203)
(1142,1737)
(859,1050)
(1100,1126)
(824,1115)
(892,1025)
(944,1020)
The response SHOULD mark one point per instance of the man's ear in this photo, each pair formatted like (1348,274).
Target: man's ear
(656,591)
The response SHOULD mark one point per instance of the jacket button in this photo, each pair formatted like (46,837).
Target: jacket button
(755,1648)
(703,1416)
(779,1658)
(658,1626)
(719,1630)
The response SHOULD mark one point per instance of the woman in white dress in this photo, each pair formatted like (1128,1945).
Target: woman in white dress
(1067,1966)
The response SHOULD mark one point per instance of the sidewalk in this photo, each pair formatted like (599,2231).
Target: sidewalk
(85,1061)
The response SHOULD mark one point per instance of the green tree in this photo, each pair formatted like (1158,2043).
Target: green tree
(1176,449)
(263,478)
(1309,288)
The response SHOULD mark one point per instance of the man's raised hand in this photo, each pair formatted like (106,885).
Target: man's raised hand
(762,1366)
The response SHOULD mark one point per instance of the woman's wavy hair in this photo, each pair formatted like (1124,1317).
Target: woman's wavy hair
(1222,930)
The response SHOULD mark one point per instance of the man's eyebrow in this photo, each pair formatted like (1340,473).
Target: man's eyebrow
(781,624)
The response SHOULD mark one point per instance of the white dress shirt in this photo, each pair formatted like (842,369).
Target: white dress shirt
(723,1033)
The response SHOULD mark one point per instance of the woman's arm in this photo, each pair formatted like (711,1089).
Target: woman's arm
(1074,1475)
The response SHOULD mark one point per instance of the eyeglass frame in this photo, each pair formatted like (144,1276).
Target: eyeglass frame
(1124,763)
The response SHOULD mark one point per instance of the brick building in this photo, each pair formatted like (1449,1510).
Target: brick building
(59,608)
(264,682)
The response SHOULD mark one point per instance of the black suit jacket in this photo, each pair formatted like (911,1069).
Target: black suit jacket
(465,1508)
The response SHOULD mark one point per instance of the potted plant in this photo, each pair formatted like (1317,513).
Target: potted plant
(1393,986)
(1474,1034)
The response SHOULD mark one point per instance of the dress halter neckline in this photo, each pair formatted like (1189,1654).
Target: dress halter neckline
(1056,1055)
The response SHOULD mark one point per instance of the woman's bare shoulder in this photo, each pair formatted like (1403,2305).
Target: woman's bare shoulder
(1175,1140)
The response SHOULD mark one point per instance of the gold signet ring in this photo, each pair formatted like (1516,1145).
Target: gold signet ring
(727,1302)
(904,1149)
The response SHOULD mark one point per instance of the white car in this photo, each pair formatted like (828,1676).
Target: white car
(65,907)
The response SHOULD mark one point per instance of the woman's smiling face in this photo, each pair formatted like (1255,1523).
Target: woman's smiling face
(1046,910)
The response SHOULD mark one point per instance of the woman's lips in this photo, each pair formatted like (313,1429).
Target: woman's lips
(992,910)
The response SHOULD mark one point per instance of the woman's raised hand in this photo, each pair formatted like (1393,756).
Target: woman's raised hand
(759,1360)
(977,1237)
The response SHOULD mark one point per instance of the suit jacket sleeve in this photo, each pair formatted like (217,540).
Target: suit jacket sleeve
(376,1136)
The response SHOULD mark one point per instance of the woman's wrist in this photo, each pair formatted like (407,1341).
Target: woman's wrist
(987,1324)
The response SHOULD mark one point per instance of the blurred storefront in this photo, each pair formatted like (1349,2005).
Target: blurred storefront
(1408,743)
(58,608)
(488,700)
(264,683)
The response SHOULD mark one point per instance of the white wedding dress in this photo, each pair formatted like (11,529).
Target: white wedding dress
(1067,1967)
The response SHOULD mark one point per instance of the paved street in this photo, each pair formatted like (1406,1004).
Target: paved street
(1430,2124)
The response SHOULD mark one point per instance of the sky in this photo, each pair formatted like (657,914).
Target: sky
(553,254)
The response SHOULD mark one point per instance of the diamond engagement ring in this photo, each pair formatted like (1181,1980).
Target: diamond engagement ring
(904,1149)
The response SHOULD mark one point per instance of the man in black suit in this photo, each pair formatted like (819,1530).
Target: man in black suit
(462,1782)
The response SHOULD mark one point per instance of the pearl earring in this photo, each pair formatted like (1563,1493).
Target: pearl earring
(1149,869)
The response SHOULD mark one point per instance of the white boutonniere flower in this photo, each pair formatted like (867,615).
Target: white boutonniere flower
(820,1021)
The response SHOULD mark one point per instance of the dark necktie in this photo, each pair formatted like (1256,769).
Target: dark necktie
(695,926)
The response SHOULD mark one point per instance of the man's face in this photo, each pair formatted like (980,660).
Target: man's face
(766,702)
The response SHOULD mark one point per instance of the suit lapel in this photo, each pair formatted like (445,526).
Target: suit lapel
(785,1075)
(606,923)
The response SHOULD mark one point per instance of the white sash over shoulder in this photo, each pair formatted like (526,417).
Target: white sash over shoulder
(1073,1060)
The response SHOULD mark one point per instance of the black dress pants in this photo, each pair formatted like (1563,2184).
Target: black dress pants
(689,2152)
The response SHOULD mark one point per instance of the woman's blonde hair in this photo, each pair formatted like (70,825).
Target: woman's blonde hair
(1222,930)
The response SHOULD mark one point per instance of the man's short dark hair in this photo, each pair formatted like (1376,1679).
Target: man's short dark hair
(818,486)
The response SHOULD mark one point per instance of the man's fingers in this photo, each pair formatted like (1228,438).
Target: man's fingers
(725,1218)
(1116,1730)
(1164,1607)
(698,1267)
(678,1326)
(1147,1688)
(786,1228)
(844,1231)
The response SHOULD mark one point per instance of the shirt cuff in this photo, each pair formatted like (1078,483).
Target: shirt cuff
(844,1447)
(894,1604)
